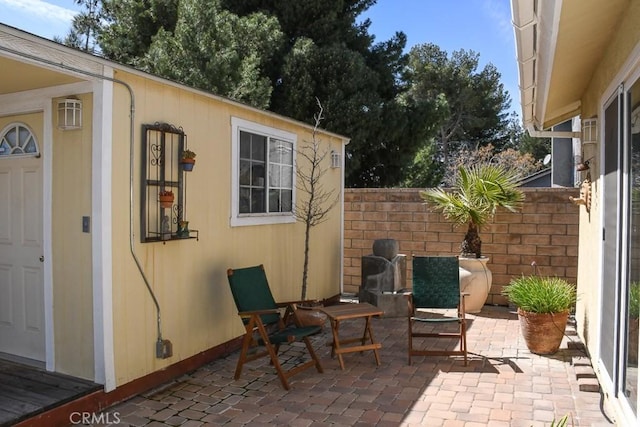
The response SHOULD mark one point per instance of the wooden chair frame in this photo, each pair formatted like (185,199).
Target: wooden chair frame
(460,319)
(271,335)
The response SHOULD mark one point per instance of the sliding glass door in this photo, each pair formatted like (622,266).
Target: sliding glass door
(631,295)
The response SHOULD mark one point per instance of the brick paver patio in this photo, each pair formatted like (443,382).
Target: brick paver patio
(504,385)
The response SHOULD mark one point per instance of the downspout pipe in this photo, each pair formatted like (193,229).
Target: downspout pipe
(131,166)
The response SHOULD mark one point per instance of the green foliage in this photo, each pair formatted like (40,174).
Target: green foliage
(634,300)
(425,171)
(130,25)
(84,27)
(283,55)
(562,422)
(478,192)
(537,147)
(188,154)
(540,294)
(473,111)
(327,55)
(218,51)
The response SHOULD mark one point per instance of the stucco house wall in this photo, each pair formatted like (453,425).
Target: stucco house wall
(585,62)
(189,277)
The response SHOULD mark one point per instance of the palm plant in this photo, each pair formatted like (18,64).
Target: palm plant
(479,191)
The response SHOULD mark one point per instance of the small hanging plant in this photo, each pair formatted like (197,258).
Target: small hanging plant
(188,160)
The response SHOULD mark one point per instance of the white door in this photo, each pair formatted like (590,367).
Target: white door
(22,331)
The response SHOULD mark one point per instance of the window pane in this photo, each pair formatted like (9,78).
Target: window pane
(280,152)
(245,145)
(280,200)
(258,146)
(257,200)
(257,174)
(5,150)
(10,137)
(285,200)
(274,176)
(30,146)
(274,201)
(245,172)
(245,200)
(287,177)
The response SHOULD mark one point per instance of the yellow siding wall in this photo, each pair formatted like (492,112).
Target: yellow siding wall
(72,264)
(189,277)
(617,54)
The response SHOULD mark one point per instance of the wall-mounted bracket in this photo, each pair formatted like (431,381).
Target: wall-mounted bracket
(585,195)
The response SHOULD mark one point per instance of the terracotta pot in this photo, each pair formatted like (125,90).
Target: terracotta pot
(311,316)
(165,201)
(543,332)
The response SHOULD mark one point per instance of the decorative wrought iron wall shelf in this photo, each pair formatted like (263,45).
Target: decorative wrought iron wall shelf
(161,220)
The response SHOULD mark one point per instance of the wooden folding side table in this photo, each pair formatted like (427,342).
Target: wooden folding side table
(338,313)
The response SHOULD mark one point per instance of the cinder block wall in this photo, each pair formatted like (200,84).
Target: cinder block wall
(545,230)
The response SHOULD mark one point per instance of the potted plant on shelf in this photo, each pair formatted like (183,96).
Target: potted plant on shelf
(188,160)
(166,198)
(543,309)
(479,191)
(183,229)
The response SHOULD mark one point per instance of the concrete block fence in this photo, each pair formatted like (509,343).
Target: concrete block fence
(545,230)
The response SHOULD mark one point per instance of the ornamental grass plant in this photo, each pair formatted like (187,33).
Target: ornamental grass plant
(540,294)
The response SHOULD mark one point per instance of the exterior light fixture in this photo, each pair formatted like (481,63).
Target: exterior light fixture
(590,131)
(336,159)
(70,114)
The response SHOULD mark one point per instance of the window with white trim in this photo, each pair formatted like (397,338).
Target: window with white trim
(17,139)
(263,187)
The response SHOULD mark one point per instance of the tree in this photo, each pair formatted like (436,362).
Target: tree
(84,27)
(478,192)
(316,200)
(215,50)
(537,147)
(130,25)
(330,56)
(522,164)
(425,171)
(471,105)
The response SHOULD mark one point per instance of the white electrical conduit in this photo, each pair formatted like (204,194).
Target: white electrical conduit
(132,105)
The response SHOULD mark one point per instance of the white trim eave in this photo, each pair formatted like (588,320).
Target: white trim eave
(535,44)
(547,40)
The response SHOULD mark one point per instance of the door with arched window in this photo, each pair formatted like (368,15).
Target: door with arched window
(22,331)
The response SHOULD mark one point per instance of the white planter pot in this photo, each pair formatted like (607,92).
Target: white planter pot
(475,279)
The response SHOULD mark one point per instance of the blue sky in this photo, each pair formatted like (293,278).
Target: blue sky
(483,26)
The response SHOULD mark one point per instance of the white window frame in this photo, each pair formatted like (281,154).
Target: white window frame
(238,219)
(19,150)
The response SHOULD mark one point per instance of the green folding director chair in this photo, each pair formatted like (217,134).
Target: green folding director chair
(265,323)
(436,286)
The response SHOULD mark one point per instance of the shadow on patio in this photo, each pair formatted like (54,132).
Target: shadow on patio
(504,385)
